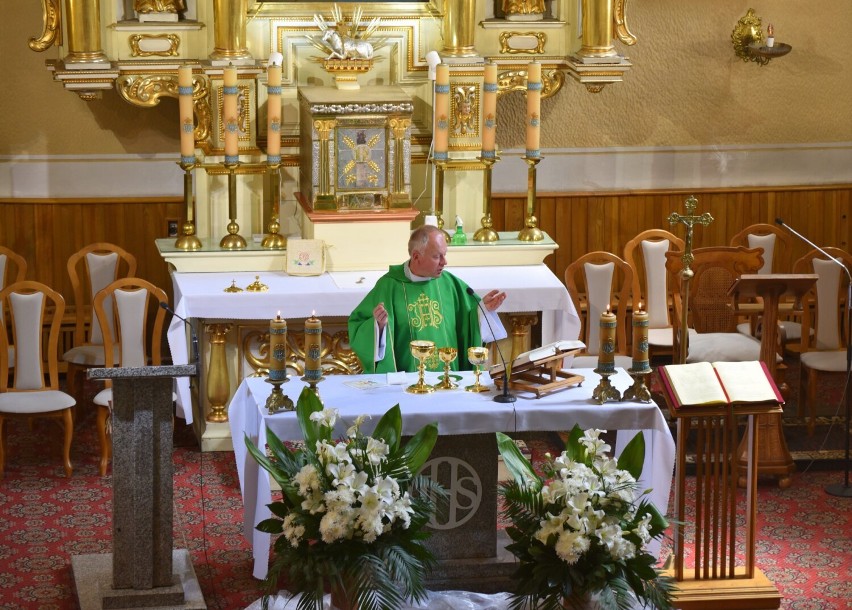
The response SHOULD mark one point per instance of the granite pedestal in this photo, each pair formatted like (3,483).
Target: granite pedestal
(141,572)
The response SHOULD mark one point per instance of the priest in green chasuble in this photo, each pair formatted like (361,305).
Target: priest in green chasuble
(418,300)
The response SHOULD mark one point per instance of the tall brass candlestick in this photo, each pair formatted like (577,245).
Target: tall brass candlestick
(486,233)
(531,232)
(188,240)
(440,165)
(233,240)
(273,239)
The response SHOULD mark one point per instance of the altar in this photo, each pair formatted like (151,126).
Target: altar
(463,418)
(223,320)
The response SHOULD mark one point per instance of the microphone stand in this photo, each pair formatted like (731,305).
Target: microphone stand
(836,489)
(505,397)
(192,334)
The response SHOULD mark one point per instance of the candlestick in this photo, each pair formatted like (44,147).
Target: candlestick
(640,340)
(531,232)
(231,115)
(486,233)
(187,121)
(313,352)
(489,110)
(606,354)
(273,113)
(277,400)
(533,110)
(441,126)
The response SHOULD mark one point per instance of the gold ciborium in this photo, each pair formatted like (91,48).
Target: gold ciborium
(421,350)
(477,356)
(447,355)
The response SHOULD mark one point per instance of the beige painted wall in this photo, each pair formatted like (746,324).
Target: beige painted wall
(686,88)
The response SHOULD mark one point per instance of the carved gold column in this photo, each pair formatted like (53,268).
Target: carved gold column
(229,29)
(84,34)
(459,28)
(218,388)
(325,199)
(399,198)
(521,323)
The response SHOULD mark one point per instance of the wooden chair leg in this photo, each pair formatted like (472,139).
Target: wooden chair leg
(2,447)
(811,401)
(103,415)
(68,421)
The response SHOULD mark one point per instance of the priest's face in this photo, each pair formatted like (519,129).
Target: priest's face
(432,260)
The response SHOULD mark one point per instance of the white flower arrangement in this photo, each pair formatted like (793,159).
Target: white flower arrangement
(579,531)
(353,511)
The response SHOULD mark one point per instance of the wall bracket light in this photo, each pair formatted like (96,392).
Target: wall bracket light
(749,43)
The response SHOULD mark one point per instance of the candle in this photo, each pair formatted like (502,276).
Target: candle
(273,113)
(770,36)
(441,136)
(606,354)
(640,340)
(278,349)
(231,115)
(489,110)
(533,110)
(187,121)
(313,349)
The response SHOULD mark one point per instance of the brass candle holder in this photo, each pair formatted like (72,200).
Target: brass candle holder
(447,355)
(486,233)
(440,167)
(233,240)
(273,239)
(278,400)
(421,350)
(605,392)
(531,232)
(188,239)
(639,390)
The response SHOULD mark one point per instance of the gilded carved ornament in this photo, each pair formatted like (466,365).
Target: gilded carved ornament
(146,91)
(52,32)
(336,357)
(619,16)
(516,80)
(506,42)
(465,110)
(136,50)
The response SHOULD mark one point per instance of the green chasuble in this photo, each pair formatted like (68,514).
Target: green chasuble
(437,309)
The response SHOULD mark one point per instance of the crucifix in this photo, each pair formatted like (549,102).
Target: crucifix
(689,220)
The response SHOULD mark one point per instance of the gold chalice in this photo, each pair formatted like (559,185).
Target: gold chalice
(421,350)
(447,355)
(477,356)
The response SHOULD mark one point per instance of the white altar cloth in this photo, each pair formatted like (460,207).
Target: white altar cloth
(457,412)
(200,295)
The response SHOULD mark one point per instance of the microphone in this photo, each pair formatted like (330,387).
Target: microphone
(505,396)
(836,489)
(193,335)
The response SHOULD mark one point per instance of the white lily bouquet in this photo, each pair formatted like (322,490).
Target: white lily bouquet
(353,511)
(578,533)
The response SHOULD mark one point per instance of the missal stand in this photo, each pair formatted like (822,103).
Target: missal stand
(773,457)
(717,581)
(144,570)
(539,375)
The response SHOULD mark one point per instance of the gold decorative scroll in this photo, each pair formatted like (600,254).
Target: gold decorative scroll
(136,51)
(146,91)
(620,18)
(52,33)
(337,356)
(465,110)
(523,7)
(243,98)
(516,80)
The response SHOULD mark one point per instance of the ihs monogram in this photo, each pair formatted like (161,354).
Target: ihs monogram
(426,312)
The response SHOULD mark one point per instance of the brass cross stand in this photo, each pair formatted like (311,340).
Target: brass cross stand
(188,239)
(689,220)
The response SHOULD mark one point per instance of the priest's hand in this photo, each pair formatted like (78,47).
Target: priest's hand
(493,300)
(380,315)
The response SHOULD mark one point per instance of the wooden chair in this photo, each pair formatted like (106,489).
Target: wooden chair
(129,312)
(711,314)
(777,245)
(823,346)
(652,283)
(594,281)
(13,268)
(32,307)
(91,269)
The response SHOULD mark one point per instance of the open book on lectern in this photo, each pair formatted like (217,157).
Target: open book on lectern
(561,347)
(703,384)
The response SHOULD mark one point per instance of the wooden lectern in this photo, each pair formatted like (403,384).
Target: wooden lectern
(717,581)
(773,456)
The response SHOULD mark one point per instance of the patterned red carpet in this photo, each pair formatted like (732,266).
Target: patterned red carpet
(804,547)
